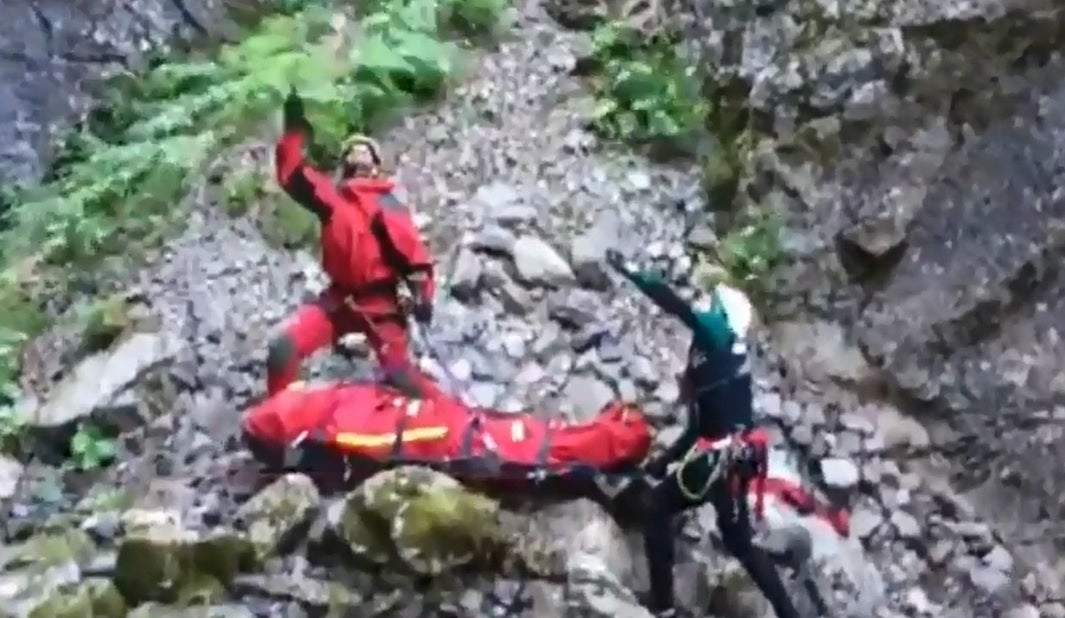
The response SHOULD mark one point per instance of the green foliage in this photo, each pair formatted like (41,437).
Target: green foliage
(286,225)
(645,93)
(476,19)
(243,191)
(120,177)
(12,429)
(752,249)
(90,449)
(105,320)
(402,59)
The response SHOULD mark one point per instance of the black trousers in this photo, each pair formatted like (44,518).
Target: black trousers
(733,518)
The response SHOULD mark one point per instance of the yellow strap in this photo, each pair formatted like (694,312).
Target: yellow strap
(372,440)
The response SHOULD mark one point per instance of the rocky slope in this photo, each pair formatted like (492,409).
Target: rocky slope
(521,202)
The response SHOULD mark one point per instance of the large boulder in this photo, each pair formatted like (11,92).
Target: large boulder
(278,514)
(422,521)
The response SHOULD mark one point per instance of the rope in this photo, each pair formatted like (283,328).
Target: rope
(746,447)
(727,456)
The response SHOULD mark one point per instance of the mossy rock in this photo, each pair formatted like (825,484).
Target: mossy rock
(448,528)
(424,519)
(366,521)
(279,511)
(168,564)
(55,547)
(94,598)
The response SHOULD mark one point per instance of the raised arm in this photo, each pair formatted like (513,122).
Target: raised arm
(307,186)
(709,328)
(655,288)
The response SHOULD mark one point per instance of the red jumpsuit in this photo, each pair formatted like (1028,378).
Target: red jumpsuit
(369,245)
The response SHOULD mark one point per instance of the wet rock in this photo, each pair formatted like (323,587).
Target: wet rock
(280,513)
(538,263)
(63,52)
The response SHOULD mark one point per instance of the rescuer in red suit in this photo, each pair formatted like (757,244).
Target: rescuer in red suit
(370,248)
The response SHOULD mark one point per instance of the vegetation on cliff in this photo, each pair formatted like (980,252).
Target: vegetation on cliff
(648,95)
(114,188)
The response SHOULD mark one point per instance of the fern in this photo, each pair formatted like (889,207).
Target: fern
(123,172)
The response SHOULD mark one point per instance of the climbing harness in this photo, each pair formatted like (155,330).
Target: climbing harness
(738,458)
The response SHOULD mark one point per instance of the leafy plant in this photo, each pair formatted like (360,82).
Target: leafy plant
(90,449)
(105,320)
(121,174)
(12,429)
(752,249)
(644,92)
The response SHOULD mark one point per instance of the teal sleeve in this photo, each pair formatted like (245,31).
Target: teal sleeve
(655,288)
(710,329)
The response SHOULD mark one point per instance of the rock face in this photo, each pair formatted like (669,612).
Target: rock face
(52,54)
(915,152)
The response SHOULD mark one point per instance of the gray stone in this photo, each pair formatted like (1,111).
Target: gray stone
(539,264)
(587,396)
(588,251)
(98,382)
(465,279)
(839,473)
(494,239)
(906,525)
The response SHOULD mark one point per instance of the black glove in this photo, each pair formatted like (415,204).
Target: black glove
(295,117)
(423,311)
(616,260)
(656,468)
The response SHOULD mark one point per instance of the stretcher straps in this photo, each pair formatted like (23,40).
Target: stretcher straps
(401,429)
(468,435)
(544,451)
